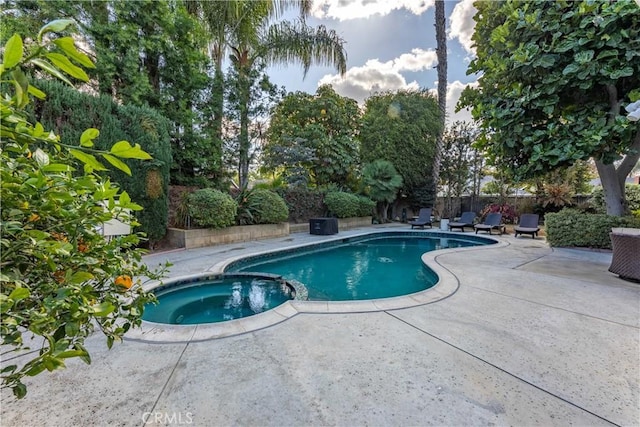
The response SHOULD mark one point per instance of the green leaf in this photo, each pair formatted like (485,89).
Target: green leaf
(63,63)
(80,277)
(87,137)
(13,51)
(36,369)
(19,294)
(50,69)
(124,198)
(55,26)
(584,56)
(102,309)
(67,44)
(19,391)
(117,163)
(37,92)
(9,368)
(69,353)
(571,68)
(88,159)
(125,150)
(57,167)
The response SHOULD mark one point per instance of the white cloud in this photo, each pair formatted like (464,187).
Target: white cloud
(454,89)
(462,25)
(344,10)
(375,76)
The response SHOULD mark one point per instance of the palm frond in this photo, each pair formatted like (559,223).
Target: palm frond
(296,42)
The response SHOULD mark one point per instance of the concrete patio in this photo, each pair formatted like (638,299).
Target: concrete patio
(528,335)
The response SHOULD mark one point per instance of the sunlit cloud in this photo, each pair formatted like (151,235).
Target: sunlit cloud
(354,9)
(374,76)
(454,90)
(462,25)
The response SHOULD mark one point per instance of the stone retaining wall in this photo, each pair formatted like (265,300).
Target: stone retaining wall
(201,237)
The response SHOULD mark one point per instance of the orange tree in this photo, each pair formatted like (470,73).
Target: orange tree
(60,278)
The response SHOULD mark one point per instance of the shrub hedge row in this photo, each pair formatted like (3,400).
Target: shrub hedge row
(632,192)
(571,227)
(267,207)
(211,208)
(303,203)
(345,205)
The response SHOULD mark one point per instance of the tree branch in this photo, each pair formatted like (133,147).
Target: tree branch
(629,160)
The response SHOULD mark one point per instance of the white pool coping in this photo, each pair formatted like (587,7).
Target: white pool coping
(446,286)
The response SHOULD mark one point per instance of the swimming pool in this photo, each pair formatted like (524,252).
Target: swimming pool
(379,265)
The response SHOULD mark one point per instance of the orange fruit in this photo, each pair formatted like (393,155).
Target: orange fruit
(124,282)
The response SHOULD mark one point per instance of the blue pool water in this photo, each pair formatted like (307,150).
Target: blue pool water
(360,268)
(210,300)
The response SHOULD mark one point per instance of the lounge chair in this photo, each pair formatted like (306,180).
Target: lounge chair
(493,221)
(528,225)
(466,220)
(424,218)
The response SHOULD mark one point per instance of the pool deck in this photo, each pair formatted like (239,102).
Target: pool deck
(517,334)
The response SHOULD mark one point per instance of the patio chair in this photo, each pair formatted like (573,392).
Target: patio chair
(528,225)
(424,218)
(466,220)
(493,221)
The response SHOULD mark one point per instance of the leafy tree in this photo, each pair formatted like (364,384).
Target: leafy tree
(60,277)
(256,38)
(382,182)
(313,138)
(458,155)
(148,53)
(401,127)
(555,76)
(263,96)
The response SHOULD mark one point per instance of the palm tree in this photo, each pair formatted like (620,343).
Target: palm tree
(257,38)
(242,26)
(441,52)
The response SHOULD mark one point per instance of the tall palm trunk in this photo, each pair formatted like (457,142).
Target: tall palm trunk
(244,91)
(441,51)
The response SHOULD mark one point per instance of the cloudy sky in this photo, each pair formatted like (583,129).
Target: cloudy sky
(390,45)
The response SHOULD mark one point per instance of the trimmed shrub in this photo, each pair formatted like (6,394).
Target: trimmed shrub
(303,203)
(267,207)
(365,206)
(571,227)
(341,204)
(212,208)
(632,191)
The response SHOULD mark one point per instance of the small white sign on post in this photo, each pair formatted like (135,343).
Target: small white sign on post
(115,227)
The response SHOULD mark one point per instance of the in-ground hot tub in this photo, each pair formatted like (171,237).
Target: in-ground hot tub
(217,297)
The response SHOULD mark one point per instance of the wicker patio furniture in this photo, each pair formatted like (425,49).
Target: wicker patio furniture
(625,262)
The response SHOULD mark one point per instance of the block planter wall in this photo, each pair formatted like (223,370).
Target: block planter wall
(201,237)
(343,224)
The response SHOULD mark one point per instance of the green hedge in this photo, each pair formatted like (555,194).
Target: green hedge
(269,207)
(341,204)
(571,227)
(365,206)
(303,203)
(632,193)
(211,208)
(69,113)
